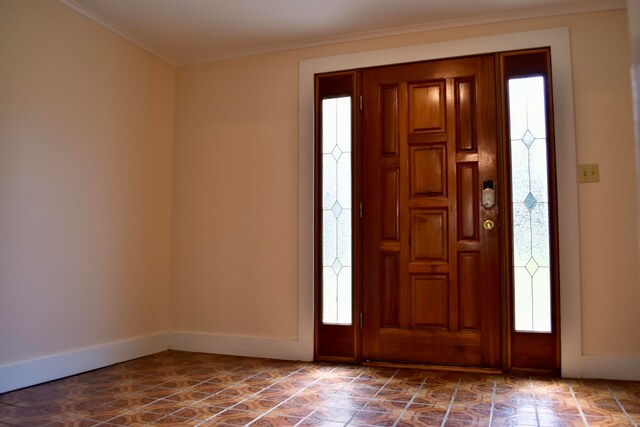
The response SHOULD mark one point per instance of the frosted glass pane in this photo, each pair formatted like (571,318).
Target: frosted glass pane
(521,234)
(344,234)
(329,185)
(517,110)
(536,116)
(336,211)
(540,238)
(344,180)
(523,299)
(343,123)
(329,122)
(329,237)
(541,291)
(538,170)
(329,296)
(344,297)
(530,208)
(519,163)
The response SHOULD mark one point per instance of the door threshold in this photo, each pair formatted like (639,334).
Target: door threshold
(441,368)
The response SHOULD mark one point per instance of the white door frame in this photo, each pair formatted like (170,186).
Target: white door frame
(574,364)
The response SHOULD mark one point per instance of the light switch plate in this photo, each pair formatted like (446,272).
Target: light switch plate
(588,173)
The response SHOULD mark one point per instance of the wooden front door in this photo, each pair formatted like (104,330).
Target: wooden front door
(430,269)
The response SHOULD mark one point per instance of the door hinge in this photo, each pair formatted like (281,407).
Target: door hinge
(361,322)
(360,209)
(360,102)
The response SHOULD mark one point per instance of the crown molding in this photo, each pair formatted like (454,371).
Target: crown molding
(118,30)
(591,6)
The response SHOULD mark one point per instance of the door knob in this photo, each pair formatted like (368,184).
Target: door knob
(488,225)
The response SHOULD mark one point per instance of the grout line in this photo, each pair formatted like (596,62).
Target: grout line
(493,400)
(288,398)
(357,411)
(246,374)
(410,402)
(584,419)
(534,396)
(444,421)
(185,390)
(621,406)
(264,388)
(204,398)
(374,395)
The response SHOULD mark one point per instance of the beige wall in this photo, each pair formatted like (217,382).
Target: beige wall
(94,185)
(86,129)
(234,258)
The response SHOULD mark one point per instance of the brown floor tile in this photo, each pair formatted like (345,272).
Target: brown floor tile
(320,423)
(397,392)
(329,413)
(136,417)
(521,419)
(385,405)
(276,421)
(370,418)
(256,404)
(219,400)
(295,410)
(419,421)
(427,411)
(347,402)
(180,388)
(235,417)
(172,420)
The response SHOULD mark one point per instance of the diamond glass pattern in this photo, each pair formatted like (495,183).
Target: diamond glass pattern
(530,210)
(530,202)
(336,211)
(528,139)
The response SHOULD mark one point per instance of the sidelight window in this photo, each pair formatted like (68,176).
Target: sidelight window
(530,205)
(336,211)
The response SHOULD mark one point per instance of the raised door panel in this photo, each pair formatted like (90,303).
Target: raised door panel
(468,200)
(429,237)
(465,93)
(390,201)
(427,107)
(428,166)
(390,288)
(430,301)
(389,123)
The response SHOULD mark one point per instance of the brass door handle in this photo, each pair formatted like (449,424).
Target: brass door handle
(488,225)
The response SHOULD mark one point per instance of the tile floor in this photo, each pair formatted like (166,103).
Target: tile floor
(189,389)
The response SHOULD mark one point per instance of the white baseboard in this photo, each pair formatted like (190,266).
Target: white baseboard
(35,371)
(26,373)
(242,345)
(603,367)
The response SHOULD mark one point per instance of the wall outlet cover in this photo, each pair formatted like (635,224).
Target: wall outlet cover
(588,173)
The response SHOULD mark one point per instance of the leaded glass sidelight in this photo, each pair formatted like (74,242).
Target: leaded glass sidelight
(336,211)
(530,205)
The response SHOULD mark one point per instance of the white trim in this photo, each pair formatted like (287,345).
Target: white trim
(556,10)
(559,41)
(240,345)
(35,371)
(95,17)
(605,367)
